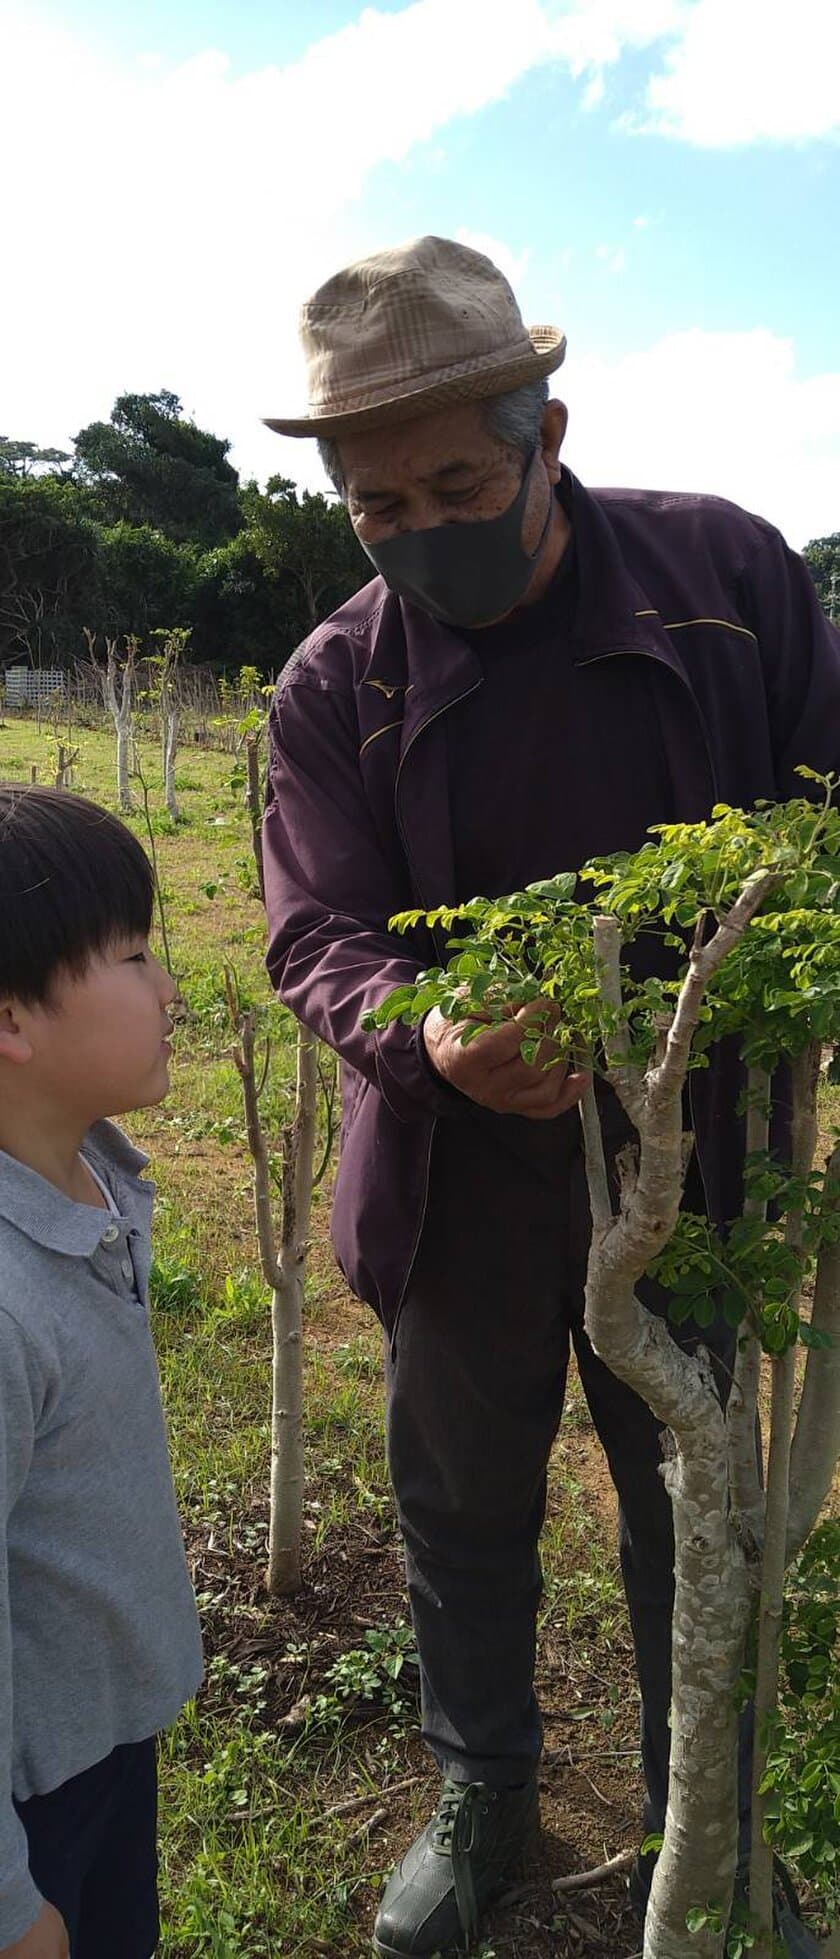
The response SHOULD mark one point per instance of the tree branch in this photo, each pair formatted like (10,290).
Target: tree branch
(816,1441)
(623,1074)
(243,1058)
(745,1491)
(805,1072)
(596,1168)
(704,960)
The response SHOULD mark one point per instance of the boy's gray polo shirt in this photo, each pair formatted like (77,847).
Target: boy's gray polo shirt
(99,1640)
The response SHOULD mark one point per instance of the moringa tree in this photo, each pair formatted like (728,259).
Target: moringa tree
(283,1250)
(748,905)
(164,675)
(117,680)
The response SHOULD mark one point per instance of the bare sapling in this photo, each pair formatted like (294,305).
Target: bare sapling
(65,759)
(283,1250)
(117,681)
(165,674)
(253,800)
(160,896)
(64,752)
(749,908)
(249,776)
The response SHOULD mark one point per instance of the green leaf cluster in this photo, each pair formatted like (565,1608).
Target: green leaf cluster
(778,988)
(749,1273)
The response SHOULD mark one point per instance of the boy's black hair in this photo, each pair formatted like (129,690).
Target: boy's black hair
(72,880)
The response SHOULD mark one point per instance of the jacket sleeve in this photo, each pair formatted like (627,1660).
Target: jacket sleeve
(20,1899)
(800,652)
(331,884)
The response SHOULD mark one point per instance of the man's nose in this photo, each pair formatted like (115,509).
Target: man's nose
(422,514)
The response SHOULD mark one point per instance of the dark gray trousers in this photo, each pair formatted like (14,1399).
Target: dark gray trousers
(476,1378)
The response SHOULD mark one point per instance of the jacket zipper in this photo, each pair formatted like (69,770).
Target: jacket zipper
(434,1121)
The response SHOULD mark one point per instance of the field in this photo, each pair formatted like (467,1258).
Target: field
(298,1776)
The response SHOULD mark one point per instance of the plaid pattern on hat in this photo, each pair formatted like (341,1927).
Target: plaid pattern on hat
(410,329)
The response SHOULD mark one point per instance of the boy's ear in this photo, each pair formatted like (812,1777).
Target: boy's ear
(15,1044)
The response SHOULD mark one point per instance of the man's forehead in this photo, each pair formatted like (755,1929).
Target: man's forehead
(430,449)
(365,476)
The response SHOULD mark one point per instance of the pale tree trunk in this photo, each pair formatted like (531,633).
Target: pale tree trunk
(712,1605)
(118,690)
(806,1068)
(64,766)
(728,1537)
(746,1495)
(697,1860)
(170,744)
(253,799)
(284,1541)
(284,1268)
(169,721)
(816,1439)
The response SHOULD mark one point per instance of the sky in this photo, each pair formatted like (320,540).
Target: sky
(660,178)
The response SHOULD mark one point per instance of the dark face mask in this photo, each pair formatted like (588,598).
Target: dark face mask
(464,574)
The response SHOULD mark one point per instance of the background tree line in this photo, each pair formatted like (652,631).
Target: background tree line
(146,526)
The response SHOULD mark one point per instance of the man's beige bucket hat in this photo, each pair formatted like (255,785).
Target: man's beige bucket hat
(408,330)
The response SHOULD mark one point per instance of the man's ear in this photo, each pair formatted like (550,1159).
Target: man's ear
(555,417)
(15,1043)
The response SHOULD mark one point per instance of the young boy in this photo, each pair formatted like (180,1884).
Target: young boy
(99,1641)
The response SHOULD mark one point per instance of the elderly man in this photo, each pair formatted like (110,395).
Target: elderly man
(536,675)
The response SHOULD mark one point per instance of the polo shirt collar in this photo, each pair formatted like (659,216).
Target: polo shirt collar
(56,1221)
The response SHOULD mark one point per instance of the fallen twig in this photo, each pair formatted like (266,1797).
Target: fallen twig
(582,1880)
(368,1824)
(369,1796)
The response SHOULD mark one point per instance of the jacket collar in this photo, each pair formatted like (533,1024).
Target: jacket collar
(613,615)
(47,1216)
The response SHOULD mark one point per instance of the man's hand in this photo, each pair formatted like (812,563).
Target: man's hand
(46,1939)
(491,1071)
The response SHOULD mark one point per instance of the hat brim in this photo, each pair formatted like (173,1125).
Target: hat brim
(498,379)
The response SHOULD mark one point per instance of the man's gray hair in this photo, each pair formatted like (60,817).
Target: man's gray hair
(513,419)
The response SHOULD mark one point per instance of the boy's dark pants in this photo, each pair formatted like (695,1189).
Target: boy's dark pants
(93,1854)
(476,1379)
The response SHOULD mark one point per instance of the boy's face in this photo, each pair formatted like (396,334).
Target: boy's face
(100,1047)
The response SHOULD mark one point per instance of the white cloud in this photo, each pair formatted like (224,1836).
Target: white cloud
(747,71)
(595,90)
(725,413)
(613,257)
(162,223)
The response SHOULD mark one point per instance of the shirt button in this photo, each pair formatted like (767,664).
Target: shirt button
(127,1269)
(110,1236)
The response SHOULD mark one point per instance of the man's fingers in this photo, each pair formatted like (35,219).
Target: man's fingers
(552,1098)
(514,1073)
(542,1009)
(501,1045)
(491,1069)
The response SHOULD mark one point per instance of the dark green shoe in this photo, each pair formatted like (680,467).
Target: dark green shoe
(460,1862)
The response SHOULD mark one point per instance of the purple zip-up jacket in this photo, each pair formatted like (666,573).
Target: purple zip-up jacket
(746,682)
